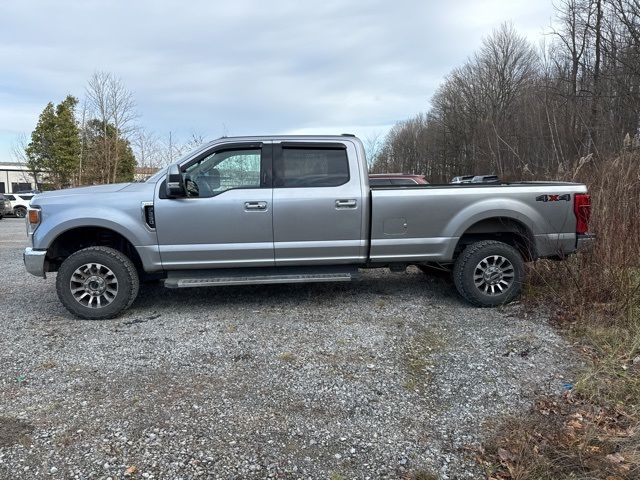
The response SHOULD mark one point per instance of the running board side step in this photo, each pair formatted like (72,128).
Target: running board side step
(259,276)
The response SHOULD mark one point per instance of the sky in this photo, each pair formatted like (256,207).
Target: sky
(246,67)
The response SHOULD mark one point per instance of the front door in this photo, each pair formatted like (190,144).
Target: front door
(226,220)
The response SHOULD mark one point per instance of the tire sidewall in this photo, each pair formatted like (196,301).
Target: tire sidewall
(116,263)
(20,212)
(465,272)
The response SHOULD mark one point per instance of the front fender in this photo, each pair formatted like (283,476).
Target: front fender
(51,228)
(126,220)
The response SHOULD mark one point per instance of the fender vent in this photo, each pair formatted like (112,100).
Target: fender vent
(149,216)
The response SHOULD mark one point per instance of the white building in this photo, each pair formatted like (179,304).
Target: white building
(15,177)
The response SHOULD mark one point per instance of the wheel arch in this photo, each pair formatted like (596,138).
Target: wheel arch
(76,238)
(507,229)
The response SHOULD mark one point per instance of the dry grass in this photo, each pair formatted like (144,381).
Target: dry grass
(288,357)
(594,430)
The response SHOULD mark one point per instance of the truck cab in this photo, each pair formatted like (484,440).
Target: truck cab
(265,204)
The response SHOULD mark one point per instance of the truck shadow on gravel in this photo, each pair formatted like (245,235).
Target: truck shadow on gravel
(411,286)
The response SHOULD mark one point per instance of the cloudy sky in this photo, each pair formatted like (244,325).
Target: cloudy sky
(246,66)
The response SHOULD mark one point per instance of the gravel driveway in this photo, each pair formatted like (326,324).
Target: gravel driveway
(390,377)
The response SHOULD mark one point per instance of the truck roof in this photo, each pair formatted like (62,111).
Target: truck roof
(340,137)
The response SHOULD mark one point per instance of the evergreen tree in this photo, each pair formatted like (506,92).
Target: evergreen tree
(126,167)
(39,152)
(67,146)
(54,149)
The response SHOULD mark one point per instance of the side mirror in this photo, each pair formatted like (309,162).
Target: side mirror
(175,182)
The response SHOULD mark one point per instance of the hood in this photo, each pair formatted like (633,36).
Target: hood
(110,188)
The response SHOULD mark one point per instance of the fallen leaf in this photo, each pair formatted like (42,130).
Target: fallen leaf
(615,458)
(505,455)
(575,424)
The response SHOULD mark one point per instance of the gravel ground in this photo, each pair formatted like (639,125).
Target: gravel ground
(382,378)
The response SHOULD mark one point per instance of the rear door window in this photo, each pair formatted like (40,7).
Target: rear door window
(299,167)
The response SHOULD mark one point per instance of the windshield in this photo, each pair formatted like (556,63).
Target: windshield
(161,173)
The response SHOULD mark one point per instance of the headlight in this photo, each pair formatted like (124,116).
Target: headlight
(33,219)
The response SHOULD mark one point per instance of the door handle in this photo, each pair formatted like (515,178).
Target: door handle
(350,203)
(260,206)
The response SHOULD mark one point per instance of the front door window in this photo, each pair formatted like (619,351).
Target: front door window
(222,171)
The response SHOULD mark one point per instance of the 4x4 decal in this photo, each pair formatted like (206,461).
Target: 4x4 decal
(553,198)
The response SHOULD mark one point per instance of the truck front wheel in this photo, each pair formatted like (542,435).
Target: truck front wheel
(96,283)
(489,273)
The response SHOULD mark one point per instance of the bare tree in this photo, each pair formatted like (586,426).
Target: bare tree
(123,113)
(373,143)
(18,152)
(518,112)
(595,102)
(97,100)
(112,104)
(574,19)
(171,149)
(628,13)
(146,148)
(194,141)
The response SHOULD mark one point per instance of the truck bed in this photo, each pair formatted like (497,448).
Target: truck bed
(426,222)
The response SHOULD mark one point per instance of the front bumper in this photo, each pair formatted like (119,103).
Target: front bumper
(585,242)
(34,261)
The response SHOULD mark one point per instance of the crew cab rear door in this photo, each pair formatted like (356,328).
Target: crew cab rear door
(227,218)
(317,204)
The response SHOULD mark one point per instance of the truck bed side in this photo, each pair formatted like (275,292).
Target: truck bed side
(426,223)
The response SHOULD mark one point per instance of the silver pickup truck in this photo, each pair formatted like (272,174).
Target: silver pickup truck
(282,209)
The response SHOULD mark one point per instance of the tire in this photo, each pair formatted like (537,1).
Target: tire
(97,283)
(20,212)
(489,273)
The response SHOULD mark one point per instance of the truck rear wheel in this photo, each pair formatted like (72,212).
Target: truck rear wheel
(96,283)
(489,273)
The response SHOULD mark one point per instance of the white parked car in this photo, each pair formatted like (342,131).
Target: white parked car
(19,203)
